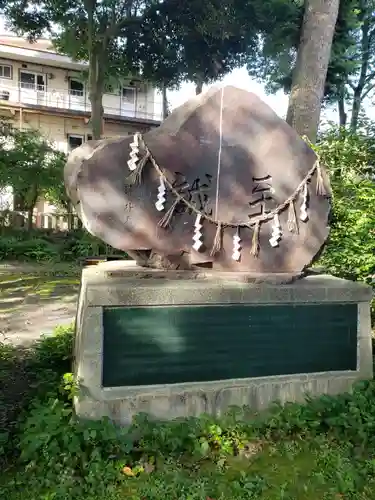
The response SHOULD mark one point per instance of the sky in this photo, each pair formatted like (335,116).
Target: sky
(239,78)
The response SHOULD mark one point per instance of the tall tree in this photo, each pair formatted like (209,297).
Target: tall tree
(363,82)
(193,40)
(309,75)
(350,76)
(165,41)
(96,31)
(30,165)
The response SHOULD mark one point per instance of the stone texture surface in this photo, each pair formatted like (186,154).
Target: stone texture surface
(193,401)
(262,161)
(155,287)
(102,285)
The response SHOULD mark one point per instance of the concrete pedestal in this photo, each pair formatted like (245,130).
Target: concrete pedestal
(113,285)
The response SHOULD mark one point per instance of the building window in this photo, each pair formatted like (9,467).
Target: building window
(4,95)
(89,137)
(75,87)
(32,81)
(74,141)
(6,71)
(128,95)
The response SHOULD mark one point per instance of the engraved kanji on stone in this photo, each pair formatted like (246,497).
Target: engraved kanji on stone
(258,151)
(129,205)
(198,194)
(262,200)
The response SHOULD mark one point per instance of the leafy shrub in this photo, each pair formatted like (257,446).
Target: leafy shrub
(27,374)
(54,444)
(70,457)
(47,245)
(36,249)
(350,159)
(50,358)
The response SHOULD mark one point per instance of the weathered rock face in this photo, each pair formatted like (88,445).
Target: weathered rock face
(224,157)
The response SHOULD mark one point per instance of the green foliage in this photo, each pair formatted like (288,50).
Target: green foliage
(276,54)
(57,195)
(31,249)
(163,42)
(29,164)
(96,32)
(350,71)
(30,374)
(53,354)
(54,443)
(194,41)
(349,158)
(328,439)
(47,245)
(282,56)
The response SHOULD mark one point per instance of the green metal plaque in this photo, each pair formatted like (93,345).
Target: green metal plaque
(165,345)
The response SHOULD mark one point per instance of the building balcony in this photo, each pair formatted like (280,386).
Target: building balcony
(133,104)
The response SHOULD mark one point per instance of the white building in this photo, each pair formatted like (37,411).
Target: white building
(44,90)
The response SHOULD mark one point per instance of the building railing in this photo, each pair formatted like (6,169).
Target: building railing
(142,107)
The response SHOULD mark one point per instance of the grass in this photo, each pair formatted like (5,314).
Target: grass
(310,470)
(13,289)
(289,470)
(40,282)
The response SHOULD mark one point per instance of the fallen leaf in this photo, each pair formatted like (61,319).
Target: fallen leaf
(128,472)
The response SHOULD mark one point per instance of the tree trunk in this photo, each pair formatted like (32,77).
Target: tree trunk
(341,108)
(96,81)
(165,101)
(96,115)
(31,198)
(96,71)
(30,207)
(310,73)
(356,108)
(69,210)
(198,86)
(30,214)
(365,54)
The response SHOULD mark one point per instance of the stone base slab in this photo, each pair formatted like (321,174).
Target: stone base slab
(123,284)
(175,402)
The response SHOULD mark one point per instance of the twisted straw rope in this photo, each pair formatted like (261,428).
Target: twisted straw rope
(251,222)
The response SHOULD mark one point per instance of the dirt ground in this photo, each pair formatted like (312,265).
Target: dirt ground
(34,299)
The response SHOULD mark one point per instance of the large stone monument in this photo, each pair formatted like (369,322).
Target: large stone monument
(222,208)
